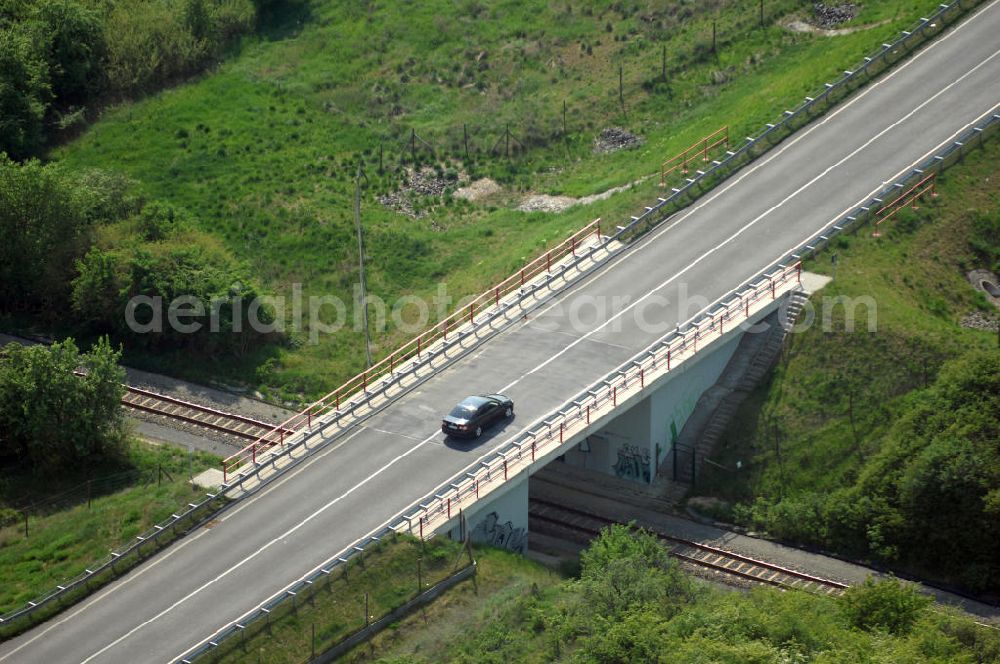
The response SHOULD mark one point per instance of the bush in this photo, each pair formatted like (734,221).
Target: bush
(886,605)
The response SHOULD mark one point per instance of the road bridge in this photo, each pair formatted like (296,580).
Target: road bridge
(377,470)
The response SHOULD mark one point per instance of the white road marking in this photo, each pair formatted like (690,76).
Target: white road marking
(259,551)
(175,548)
(754,222)
(685,214)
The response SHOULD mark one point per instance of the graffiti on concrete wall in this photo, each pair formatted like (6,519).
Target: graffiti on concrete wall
(502,535)
(633,463)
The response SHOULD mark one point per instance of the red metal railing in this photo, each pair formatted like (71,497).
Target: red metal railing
(472,485)
(908,197)
(701,148)
(415,348)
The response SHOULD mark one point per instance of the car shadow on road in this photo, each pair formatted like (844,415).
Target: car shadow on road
(470,444)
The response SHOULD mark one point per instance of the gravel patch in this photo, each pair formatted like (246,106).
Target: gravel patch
(478,190)
(613,139)
(978,320)
(547,203)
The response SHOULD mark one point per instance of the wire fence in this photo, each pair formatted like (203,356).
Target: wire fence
(343,609)
(791,120)
(440,507)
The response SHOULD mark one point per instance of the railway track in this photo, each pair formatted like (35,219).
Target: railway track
(191,413)
(574,522)
(239,426)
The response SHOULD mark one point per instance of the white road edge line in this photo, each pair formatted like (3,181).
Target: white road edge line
(777,257)
(685,214)
(755,220)
(259,551)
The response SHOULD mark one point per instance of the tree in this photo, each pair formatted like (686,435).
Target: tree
(24,93)
(44,226)
(625,570)
(73,39)
(51,418)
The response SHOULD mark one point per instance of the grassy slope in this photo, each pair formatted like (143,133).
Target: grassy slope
(527,617)
(63,541)
(794,434)
(263,150)
(389,576)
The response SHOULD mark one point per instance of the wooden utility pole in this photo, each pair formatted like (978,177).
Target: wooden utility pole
(465,137)
(762,13)
(361,265)
(621,86)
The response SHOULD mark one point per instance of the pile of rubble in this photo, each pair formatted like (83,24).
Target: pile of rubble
(830,16)
(613,139)
(978,320)
(425,182)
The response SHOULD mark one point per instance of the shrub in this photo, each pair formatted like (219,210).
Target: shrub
(886,605)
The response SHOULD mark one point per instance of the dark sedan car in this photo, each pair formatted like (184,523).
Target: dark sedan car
(471,417)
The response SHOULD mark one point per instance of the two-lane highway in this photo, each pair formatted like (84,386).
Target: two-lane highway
(182,596)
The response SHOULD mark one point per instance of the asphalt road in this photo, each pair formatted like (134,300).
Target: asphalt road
(180,597)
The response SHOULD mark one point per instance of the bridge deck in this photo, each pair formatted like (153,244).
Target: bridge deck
(183,595)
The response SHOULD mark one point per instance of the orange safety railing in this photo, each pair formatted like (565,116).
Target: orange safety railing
(576,418)
(414,348)
(701,148)
(909,197)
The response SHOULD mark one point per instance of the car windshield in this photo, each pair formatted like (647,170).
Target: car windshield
(463,411)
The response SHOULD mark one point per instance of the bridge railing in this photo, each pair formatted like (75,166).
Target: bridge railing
(628,380)
(719,137)
(793,119)
(359,388)
(889,53)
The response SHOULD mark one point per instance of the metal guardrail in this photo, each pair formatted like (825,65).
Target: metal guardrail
(887,55)
(970,139)
(754,146)
(488,305)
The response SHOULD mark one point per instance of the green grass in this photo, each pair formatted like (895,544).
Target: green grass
(63,539)
(389,577)
(820,422)
(522,612)
(263,150)
(915,274)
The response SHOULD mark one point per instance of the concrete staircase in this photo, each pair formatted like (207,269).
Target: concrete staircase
(753,359)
